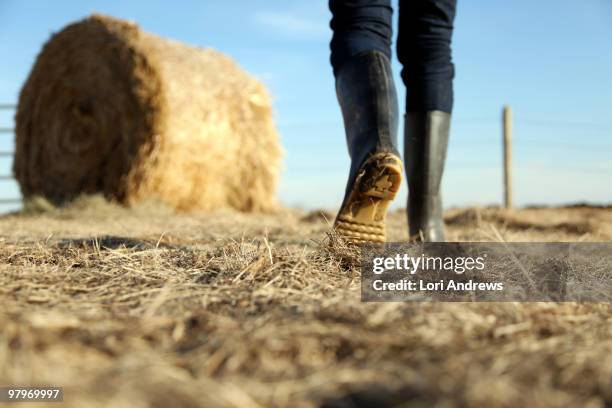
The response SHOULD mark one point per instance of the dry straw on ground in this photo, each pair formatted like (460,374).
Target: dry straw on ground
(109,108)
(143,308)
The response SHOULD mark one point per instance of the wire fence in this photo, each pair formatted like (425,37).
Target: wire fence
(5,154)
(546,147)
(573,145)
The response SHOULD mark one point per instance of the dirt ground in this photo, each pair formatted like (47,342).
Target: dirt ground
(146,308)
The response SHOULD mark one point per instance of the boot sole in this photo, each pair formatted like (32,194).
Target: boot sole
(362,218)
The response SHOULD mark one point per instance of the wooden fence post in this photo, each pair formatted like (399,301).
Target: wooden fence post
(507,135)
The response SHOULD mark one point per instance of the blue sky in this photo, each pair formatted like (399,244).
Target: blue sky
(550,60)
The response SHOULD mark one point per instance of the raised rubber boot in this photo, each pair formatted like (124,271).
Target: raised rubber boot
(367,97)
(425,144)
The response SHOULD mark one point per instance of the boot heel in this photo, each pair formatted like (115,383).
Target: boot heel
(362,218)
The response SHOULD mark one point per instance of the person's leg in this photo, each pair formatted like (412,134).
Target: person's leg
(360,56)
(359,26)
(424,49)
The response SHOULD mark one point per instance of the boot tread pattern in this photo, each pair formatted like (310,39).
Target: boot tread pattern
(362,219)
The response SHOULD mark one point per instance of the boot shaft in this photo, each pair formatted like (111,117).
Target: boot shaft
(425,146)
(368,99)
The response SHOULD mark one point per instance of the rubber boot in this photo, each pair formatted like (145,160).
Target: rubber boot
(425,144)
(367,97)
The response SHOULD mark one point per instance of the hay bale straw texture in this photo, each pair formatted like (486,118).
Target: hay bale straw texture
(109,108)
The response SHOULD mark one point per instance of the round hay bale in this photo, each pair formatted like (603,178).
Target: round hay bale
(109,108)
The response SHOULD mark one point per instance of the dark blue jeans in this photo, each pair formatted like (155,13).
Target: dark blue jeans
(423,44)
